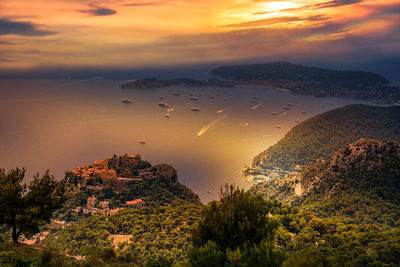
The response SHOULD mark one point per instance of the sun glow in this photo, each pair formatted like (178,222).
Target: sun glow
(277,6)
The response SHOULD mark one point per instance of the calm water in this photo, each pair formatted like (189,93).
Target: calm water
(60,124)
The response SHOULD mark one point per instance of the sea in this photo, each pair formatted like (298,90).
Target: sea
(207,134)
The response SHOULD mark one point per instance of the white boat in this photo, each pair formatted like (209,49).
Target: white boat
(163,104)
(195,109)
(127,101)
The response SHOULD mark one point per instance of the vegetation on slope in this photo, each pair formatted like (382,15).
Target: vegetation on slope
(21,255)
(235,231)
(239,230)
(162,231)
(320,136)
(223,237)
(154,192)
(311,241)
(359,184)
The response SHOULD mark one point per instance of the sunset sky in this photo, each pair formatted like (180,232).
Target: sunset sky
(38,34)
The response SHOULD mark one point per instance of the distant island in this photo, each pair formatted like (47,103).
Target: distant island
(296,78)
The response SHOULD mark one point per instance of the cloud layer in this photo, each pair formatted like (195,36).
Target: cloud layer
(8,26)
(142,34)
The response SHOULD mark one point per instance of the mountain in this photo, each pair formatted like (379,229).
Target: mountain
(359,184)
(320,136)
(313,80)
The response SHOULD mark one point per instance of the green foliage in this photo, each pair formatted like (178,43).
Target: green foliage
(159,261)
(320,136)
(359,185)
(207,255)
(21,255)
(25,210)
(162,232)
(237,227)
(312,241)
(159,191)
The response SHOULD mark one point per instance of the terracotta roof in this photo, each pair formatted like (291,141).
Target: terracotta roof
(135,202)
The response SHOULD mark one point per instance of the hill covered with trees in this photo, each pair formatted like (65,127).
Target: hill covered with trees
(359,184)
(346,212)
(320,136)
(133,235)
(239,230)
(119,181)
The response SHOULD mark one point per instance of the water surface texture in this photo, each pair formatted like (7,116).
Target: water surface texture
(61,124)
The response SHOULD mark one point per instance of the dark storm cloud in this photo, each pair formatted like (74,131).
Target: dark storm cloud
(99,11)
(25,28)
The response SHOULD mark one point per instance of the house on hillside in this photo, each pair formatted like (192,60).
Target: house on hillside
(137,203)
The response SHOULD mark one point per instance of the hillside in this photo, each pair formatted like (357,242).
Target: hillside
(105,186)
(136,235)
(313,80)
(359,184)
(320,136)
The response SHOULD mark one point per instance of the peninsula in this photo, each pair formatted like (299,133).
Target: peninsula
(296,78)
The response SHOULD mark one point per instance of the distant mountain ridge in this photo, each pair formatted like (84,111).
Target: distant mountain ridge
(359,184)
(320,136)
(282,70)
(315,81)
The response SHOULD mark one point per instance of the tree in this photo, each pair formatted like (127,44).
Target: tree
(239,228)
(24,208)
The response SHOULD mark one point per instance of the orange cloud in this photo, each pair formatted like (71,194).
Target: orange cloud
(141,33)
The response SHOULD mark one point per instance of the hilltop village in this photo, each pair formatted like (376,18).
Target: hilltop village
(117,174)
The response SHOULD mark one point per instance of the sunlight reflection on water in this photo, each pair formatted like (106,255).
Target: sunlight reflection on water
(58,125)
